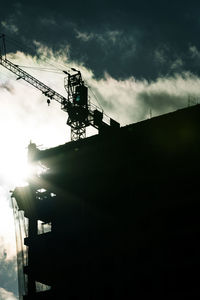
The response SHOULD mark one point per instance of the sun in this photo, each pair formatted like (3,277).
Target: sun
(14,169)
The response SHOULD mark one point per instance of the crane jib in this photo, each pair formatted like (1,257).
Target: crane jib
(80,112)
(47,91)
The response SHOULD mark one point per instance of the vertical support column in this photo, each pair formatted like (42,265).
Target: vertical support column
(32,226)
(32,233)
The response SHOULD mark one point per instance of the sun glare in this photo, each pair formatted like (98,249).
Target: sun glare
(14,169)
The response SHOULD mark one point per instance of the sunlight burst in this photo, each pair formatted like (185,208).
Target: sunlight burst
(14,169)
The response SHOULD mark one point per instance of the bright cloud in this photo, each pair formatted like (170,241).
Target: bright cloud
(5,295)
(130,100)
(6,225)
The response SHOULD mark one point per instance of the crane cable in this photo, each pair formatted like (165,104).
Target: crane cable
(42,69)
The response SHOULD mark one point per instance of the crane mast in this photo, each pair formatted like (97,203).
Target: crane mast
(80,113)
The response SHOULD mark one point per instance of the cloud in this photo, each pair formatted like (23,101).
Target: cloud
(195,53)
(160,56)
(6,86)
(127,100)
(6,223)
(8,275)
(108,46)
(107,36)
(177,64)
(9,26)
(122,39)
(131,100)
(5,295)
(48,21)
(84,36)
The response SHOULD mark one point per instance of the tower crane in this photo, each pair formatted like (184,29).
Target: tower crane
(81,113)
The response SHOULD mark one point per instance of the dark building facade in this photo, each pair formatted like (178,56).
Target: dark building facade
(121,212)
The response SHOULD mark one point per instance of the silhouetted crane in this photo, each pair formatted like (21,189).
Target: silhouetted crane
(81,113)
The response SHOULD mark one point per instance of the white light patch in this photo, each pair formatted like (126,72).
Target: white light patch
(5,295)
(13,165)
(7,233)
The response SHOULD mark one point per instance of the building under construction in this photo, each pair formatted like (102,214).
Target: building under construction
(115,215)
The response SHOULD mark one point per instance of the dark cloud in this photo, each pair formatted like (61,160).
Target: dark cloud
(120,37)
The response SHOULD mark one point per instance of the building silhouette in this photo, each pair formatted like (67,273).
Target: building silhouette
(114,216)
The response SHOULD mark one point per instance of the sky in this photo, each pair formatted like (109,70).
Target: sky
(140,59)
